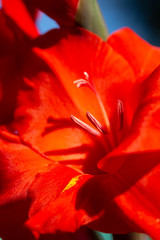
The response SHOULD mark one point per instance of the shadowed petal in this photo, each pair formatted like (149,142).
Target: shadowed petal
(19,165)
(63,11)
(21,16)
(7,38)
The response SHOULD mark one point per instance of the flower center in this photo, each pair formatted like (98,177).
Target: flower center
(99,130)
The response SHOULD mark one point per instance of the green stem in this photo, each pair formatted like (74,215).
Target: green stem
(89,17)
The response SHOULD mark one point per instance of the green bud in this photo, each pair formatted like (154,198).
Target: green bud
(89,16)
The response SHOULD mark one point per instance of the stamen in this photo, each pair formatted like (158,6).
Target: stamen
(96,123)
(85,126)
(86,75)
(82,82)
(120,111)
(90,84)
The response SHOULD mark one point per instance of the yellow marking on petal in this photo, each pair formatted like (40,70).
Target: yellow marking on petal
(72,182)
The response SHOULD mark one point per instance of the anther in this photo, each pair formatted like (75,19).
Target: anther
(96,123)
(86,75)
(120,111)
(85,126)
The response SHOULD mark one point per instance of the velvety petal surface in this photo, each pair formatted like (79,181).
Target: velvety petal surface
(142,56)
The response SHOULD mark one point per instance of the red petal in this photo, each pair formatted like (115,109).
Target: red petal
(84,200)
(135,192)
(140,203)
(142,56)
(106,203)
(63,11)
(79,51)
(61,213)
(53,97)
(18,168)
(42,191)
(20,16)
(51,122)
(144,136)
(19,165)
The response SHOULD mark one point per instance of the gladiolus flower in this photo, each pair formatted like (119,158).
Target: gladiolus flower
(100,167)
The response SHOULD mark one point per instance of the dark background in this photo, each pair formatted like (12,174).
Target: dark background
(142,16)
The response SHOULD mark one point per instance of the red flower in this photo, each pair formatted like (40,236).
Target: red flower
(57,160)
(44,151)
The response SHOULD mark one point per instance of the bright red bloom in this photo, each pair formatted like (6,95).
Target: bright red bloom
(44,151)
(69,190)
